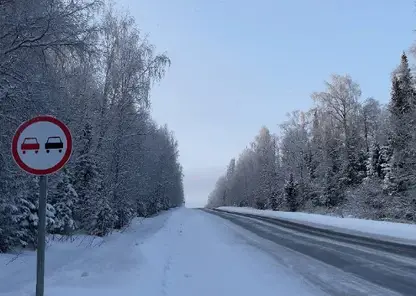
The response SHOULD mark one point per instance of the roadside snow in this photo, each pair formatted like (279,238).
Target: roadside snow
(398,232)
(82,266)
(182,252)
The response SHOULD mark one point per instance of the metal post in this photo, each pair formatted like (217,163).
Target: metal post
(40,268)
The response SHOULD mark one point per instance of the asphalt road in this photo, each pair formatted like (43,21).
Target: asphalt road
(337,268)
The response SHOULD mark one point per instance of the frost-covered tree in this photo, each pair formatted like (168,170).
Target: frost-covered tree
(371,115)
(92,203)
(27,214)
(264,148)
(63,198)
(401,174)
(291,194)
(296,153)
(245,178)
(91,67)
(341,102)
(342,155)
(375,162)
(218,196)
(230,177)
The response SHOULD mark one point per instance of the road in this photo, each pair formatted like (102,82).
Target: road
(336,268)
(180,252)
(187,252)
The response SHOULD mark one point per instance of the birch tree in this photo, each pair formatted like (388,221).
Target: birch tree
(94,70)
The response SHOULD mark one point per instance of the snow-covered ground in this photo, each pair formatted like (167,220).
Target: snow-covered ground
(402,232)
(182,252)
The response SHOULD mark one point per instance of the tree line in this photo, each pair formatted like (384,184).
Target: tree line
(344,155)
(91,67)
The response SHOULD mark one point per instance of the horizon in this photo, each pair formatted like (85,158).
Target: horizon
(230,76)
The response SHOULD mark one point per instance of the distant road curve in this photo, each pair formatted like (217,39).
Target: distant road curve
(389,266)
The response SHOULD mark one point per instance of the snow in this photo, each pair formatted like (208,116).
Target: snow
(178,253)
(405,233)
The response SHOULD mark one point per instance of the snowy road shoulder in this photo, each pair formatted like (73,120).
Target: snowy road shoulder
(396,232)
(79,266)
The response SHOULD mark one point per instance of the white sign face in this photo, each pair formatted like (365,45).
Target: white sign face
(42,145)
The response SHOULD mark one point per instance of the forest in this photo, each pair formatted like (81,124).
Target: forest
(347,155)
(91,67)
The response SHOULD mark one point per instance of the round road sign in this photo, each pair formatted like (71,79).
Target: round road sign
(42,145)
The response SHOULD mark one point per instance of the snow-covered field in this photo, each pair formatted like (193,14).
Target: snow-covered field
(399,232)
(182,252)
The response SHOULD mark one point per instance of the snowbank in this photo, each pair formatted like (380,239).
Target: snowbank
(398,232)
(80,265)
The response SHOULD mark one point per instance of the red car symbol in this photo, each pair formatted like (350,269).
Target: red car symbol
(30,144)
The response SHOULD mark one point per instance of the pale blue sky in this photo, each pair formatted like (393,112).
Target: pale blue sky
(238,64)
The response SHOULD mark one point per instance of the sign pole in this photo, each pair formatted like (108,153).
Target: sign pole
(41,146)
(40,268)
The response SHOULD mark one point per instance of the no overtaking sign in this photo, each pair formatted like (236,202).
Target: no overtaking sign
(41,146)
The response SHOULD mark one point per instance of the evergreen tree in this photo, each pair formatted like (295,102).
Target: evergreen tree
(92,204)
(332,193)
(400,175)
(27,217)
(399,104)
(104,99)
(11,231)
(63,199)
(273,203)
(274,194)
(102,219)
(406,85)
(375,162)
(291,194)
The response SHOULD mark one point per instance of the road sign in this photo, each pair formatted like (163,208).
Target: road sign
(42,145)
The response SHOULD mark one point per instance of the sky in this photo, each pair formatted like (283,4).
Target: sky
(238,65)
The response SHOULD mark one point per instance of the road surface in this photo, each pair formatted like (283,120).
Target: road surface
(188,252)
(336,268)
(181,252)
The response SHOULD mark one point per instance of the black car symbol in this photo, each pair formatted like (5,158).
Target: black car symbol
(54,143)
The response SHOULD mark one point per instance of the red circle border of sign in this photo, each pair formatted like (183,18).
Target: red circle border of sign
(56,167)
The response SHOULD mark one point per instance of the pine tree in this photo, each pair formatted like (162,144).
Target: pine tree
(92,203)
(291,194)
(362,165)
(63,199)
(399,104)
(406,85)
(10,230)
(375,162)
(103,218)
(274,195)
(399,177)
(330,195)
(273,204)
(27,213)
(356,168)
